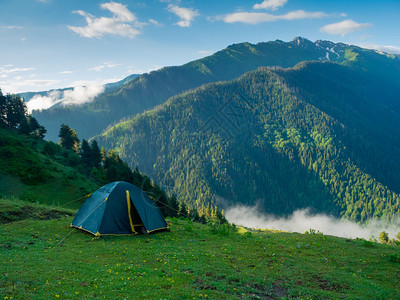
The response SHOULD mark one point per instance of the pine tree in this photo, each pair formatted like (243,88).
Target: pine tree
(24,127)
(96,154)
(2,109)
(41,132)
(68,138)
(86,156)
(12,110)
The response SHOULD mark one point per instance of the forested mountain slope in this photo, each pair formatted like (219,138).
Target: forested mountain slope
(322,135)
(154,88)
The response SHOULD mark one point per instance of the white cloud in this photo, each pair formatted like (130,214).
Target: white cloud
(270,4)
(344,27)
(66,72)
(103,66)
(256,18)
(17,86)
(6,70)
(123,23)
(186,14)
(120,11)
(384,48)
(75,96)
(10,27)
(154,22)
(302,220)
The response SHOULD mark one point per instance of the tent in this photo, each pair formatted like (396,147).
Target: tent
(119,208)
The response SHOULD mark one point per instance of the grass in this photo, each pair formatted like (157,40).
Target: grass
(44,259)
(28,173)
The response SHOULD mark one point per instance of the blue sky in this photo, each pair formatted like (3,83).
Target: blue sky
(47,44)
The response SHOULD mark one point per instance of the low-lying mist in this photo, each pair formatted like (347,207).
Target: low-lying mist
(302,220)
(74,96)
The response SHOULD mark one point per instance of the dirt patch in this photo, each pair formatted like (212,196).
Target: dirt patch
(269,291)
(329,285)
(26,212)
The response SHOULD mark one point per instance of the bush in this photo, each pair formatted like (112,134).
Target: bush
(189,225)
(50,149)
(247,234)
(368,244)
(384,237)
(394,258)
(314,232)
(216,227)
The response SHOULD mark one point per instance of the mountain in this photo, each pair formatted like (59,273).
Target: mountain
(321,135)
(151,89)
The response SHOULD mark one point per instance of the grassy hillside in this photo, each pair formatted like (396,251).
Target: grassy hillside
(27,171)
(309,136)
(47,259)
(154,88)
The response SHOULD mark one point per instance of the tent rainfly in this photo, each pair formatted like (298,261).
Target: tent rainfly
(119,208)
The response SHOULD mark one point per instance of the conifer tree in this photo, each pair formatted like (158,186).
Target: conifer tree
(68,138)
(96,154)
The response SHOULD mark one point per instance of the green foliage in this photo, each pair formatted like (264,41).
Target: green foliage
(68,138)
(188,225)
(398,237)
(225,229)
(314,232)
(384,237)
(368,244)
(51,149)
(38,171)
(394,257)
(12,110)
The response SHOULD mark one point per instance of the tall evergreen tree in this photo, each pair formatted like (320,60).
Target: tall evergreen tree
(96,154)
(86,156)
(2,109)
(68,138)
(12,110)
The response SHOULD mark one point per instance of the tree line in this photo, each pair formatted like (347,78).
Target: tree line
(14,115)
(104,167)
(88,158)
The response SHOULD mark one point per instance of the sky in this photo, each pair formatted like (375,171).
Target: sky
(48,44)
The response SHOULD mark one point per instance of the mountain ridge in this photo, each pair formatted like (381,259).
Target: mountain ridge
(151,89)
(306,145)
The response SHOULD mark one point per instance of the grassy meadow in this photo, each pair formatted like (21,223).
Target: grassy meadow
(41,257)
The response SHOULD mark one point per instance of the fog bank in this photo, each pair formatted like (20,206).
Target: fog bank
(302,220)
(75,96)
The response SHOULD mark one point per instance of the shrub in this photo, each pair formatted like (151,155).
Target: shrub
(314,232)
(216,227)
(368,244)
(394,258)
(189,225)
(383,237)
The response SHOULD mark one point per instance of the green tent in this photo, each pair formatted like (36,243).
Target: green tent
(119,208)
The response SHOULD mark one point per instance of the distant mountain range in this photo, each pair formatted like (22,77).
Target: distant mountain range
(284,125)
(151,89)
(321,134)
